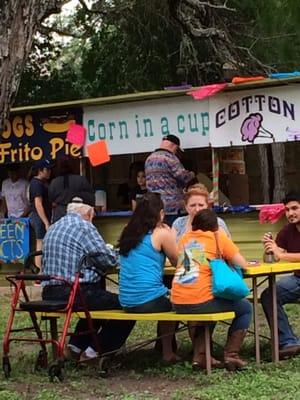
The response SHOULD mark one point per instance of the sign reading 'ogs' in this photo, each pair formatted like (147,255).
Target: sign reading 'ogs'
(37,135)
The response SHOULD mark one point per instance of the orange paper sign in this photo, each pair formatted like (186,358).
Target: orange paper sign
(98,153)
(76,134)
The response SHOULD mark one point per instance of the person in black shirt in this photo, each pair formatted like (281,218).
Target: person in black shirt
(140,189)
(67,186)
(40,208)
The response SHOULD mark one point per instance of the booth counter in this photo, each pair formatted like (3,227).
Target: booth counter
(245,228)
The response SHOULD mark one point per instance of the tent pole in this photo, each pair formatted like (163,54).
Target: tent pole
(215,173)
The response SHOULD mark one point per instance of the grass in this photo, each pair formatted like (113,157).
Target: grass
(143,377)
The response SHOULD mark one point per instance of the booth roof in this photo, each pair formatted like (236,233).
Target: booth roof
(153,95)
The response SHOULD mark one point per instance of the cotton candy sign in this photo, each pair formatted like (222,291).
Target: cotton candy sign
(76,134)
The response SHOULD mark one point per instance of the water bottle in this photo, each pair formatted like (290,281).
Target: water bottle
(268,256)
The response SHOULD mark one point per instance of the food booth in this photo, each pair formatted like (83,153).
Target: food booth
(220,134)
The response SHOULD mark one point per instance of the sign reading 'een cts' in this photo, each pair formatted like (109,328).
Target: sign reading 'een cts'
(14,240)
(33,136)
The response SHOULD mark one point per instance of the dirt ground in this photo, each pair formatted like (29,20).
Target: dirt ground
(125,382)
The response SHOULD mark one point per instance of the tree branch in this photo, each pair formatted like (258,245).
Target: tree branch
(46,30)
(198,4)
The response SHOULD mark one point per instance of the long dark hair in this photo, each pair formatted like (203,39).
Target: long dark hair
(144,219)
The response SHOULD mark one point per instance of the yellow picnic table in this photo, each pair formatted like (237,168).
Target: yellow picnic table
(270,271)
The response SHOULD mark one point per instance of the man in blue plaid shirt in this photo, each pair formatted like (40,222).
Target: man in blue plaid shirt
(66,242)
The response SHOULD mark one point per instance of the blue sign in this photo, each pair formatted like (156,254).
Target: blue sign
(14,240)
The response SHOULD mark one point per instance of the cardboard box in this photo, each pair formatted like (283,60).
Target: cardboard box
(238,189)
(233,167)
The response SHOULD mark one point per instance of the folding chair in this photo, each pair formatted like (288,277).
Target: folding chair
(21,302)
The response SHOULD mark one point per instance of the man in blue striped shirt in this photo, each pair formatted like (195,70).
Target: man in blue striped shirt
(66,242)
(166,175)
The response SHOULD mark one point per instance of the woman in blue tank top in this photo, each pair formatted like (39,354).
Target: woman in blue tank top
(144,244)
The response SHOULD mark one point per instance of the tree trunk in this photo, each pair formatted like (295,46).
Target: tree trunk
(264,168)
(20,20)
(278,156)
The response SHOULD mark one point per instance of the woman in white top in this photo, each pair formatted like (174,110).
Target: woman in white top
(196,199)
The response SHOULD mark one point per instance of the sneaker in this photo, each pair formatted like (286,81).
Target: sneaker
(72,353)
(89,356)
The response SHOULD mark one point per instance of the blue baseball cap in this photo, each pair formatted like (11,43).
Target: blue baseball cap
(43,163)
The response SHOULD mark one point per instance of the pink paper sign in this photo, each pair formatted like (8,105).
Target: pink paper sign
(76,134)
(206,91)
(271,213)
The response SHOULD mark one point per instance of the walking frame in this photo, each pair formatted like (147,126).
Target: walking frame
(21,302)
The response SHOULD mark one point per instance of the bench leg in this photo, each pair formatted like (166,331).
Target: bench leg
(207,341)
(54,335)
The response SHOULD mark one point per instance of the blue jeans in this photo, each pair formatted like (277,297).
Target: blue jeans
(161,304)
(242,309)
(288,291)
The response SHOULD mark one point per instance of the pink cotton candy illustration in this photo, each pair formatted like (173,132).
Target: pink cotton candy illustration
(252,128)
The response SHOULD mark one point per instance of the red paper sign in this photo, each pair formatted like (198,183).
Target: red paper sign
(206,91)
(271,213)
(76,134)
(98,153)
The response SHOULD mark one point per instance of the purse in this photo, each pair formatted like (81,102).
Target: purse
(227,281)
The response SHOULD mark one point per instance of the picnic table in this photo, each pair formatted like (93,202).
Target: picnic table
(269,271)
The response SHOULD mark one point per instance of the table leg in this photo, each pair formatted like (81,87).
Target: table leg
(255,320)
(274,319)
(207,340)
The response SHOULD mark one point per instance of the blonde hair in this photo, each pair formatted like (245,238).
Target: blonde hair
(198,189)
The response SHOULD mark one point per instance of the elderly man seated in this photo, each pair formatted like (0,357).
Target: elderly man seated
(66,242)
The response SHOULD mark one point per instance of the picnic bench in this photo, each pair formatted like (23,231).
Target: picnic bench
(206,319)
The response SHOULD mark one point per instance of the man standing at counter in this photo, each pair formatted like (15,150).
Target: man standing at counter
(166,175)
(286,247)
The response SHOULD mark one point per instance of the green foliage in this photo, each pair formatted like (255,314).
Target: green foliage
(130,46)
(9,395)
(135,51)
(273,33)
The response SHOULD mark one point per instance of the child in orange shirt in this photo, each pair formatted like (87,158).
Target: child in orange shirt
(192,287)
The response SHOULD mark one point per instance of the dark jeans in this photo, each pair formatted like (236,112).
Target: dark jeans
(111,334)
(161,304)
(288,291)
(37,225)
(242,309)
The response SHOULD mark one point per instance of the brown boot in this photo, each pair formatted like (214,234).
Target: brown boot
(199,361)
(232,359)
